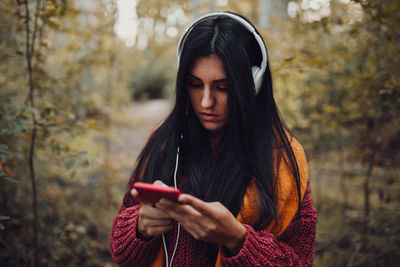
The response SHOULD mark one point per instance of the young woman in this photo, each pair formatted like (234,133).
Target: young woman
(246,198)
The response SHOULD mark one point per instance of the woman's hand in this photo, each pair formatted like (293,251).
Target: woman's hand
(152,221)
(206,221)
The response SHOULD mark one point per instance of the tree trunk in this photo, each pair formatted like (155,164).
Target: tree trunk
(318,189)
(110,81)
(367,205)
(283,9)
(266,11)
(108,127)
(30,49)
(196,8)
(343,187)
(270,8)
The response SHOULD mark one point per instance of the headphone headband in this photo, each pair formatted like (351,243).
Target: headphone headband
(258,72)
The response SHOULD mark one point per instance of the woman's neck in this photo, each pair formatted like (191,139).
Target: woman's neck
(215,136)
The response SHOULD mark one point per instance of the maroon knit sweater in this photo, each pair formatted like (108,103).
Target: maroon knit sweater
(294,247)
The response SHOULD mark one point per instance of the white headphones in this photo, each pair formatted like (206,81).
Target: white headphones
(258,71)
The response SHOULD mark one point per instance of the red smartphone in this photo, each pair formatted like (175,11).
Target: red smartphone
(153,193)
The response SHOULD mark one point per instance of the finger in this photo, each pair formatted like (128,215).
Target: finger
(148,211)
(149,222)
(158,182)
(168,205)
(194,222)
(134,193)
(158,230)
(198,204)
(193,230)
(178,211)
(164,217)
(165,203)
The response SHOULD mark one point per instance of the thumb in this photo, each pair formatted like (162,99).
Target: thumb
(158,182)
(134,192)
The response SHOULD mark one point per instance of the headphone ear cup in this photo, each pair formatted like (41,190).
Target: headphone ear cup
(257,77)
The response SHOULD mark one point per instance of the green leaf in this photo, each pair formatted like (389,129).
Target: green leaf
(3,148)
(18,124)
(82,152)
(53,25)
(8,178)
(51,129)
(85,163)
(69,164)
(9,117)
(1,226)
(30,109)
(54,147)
(2,217)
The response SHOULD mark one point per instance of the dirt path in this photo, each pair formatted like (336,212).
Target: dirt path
(132,129)
(144,117)
(151,111)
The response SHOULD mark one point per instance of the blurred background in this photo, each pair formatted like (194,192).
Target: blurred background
(83,83)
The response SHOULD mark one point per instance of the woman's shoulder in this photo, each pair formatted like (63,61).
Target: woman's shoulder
(294,145)
(298,151)
(287,164)
(299,158)
(287,187)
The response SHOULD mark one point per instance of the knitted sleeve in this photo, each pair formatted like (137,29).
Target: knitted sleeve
(126,246)
(295,247)
(127,249)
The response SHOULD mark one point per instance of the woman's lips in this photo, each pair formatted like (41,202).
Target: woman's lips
(208,117)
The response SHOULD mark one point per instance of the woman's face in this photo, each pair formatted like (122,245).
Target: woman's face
(207,85)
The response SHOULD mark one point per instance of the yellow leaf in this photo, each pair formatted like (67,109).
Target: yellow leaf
(91,123)
(384,91)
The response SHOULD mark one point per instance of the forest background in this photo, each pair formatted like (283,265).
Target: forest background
(79,100)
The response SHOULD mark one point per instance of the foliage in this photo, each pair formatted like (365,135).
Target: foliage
(336,80)
(345,66)
(344,236)
(72,44)
(151,78)
(342,77)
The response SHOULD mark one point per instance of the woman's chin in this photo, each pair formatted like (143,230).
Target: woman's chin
(213,126)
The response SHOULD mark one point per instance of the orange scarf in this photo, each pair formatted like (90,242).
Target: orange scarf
(287,202)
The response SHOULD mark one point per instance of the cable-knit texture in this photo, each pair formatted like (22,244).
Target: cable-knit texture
(127,249)
(293,245)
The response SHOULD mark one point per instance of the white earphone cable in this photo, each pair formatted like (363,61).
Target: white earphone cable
(179,225)
(165,250)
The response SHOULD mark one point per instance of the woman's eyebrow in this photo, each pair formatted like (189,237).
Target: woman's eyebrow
(194,77)
(215,81)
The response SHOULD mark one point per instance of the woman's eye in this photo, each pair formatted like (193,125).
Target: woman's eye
(223,89)
(196,85)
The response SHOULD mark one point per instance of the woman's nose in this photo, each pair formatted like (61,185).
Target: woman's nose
(207,100)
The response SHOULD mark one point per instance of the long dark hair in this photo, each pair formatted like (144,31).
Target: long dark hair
(254,140)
